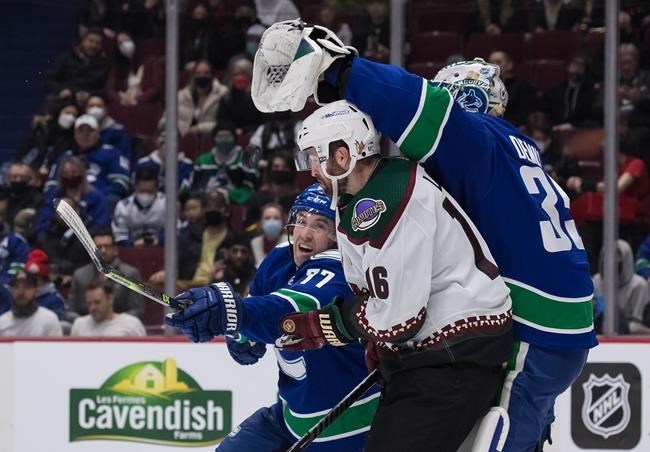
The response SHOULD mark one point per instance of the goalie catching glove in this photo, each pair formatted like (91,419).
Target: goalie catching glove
(289,62)
(312,330)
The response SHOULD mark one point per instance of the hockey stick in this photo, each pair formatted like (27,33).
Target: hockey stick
(335,412)
(74,222)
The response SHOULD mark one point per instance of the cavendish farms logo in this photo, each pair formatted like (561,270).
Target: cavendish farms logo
(151,402)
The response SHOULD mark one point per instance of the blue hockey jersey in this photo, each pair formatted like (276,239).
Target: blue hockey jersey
(310,383)
(495,174)
(184,171)
(13,255)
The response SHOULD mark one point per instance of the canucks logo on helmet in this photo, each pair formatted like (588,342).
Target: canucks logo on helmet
(473,99)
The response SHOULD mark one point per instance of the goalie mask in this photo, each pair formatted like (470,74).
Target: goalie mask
(475,85)
(339,120)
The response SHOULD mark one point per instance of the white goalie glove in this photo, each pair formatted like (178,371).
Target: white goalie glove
(291,58)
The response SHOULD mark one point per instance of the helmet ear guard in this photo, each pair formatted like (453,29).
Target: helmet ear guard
(475,85)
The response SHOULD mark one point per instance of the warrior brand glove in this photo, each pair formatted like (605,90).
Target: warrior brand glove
(312,330)
(289,62)
(211,311)
(244,351)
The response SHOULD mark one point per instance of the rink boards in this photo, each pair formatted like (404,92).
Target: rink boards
(139,395)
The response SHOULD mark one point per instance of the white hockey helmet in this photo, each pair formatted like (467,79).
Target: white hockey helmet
(476,85)
(336,121)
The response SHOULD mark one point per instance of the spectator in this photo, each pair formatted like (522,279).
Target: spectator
(279,132)
(107,169)
(235,264)
(199,242)
(271,225)
(253,37)
(14,248)
(81,72)
(632,294)
(569,103)
(554,15)
(373,39)
(199,101)
(133,78)
(329,18)
(5,299)
(496,16)
(112,132)
(556,163)
(143,19)
(139,220)
(237,106)
(22,193)
(279,185)
(223,167)
(522,99)
(26,317)
(72,183)
(25,225)
(272,11)
(200,41)
(156,160)
(193,212)
(633,90)
(50,137)
(46,294)
(125,299)
(102,319)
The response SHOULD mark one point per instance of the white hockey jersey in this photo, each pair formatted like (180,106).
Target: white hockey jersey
(429,276)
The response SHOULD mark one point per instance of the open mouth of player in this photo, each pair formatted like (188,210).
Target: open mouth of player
(305,248)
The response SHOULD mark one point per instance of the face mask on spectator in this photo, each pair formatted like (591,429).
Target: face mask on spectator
(203,81)
(213,218)
(224,143)
(66,120)
(127,48)
(272,228)
(279,176)
(543,145)
(71,181)
(97,112)
(19,187)
(145,199)
(241,82)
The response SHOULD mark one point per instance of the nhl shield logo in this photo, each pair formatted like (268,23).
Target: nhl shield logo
(606,407)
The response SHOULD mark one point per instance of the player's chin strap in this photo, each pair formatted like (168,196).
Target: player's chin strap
(489,433)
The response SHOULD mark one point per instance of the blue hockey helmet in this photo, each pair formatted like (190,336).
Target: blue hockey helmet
(312,200)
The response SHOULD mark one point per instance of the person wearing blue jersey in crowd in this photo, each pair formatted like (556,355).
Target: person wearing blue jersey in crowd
(302,275)
(451,126)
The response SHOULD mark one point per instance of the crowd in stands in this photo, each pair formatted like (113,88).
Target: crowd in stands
(99,144)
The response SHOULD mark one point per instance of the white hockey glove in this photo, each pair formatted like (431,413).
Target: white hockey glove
(289,62)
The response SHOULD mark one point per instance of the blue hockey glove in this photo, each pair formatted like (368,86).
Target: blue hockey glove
(244,351)
(211,311)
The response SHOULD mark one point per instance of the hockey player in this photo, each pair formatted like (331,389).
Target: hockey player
(451,126)
(429,295)
(301,276)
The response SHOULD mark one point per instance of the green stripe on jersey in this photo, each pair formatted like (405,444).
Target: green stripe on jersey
(564,316)
(302,302)
(354,420)
(422,135)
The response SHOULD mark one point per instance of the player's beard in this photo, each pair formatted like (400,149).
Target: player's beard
(334,169)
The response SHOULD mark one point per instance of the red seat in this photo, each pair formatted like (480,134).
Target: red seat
(434,46)
(152,47)
(589,207)
(585,144)
(545,74)
(427,69)
(594,42)
(482,44)
(557,45)
(430,19)
(193,144)
(147,260)
(141,119)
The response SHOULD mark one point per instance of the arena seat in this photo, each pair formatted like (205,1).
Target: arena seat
(434,46)
(427,69)
(585,143)
(557,45)
(544,74)
(141,119)
(193,144)
(482,44)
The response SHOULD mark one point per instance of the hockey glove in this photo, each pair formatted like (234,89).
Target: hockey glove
(211,311)
(245,351)
(312,330)
(289,62)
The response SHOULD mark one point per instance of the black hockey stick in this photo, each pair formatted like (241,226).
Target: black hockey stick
(74,222)
(335,412)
